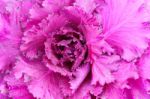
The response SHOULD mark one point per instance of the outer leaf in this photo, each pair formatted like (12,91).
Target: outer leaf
(123,27)
(46,87)
(17,88)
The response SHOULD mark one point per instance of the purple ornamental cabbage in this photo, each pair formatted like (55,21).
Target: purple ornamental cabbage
(74,49)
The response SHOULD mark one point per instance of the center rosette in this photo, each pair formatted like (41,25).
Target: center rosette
(66,49)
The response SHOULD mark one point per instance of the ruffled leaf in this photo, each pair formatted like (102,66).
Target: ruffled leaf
(144,65)
(46,87)
(113,92)
(30,68)
(123,29)
(84,5)
(138,89)
(102,69)
(144,71)
(124,72)
(80,75)
(56,5)
(10,39)
(17,88)
(42,83)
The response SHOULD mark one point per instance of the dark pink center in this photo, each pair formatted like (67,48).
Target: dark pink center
(69,49)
